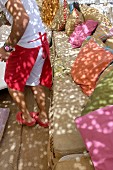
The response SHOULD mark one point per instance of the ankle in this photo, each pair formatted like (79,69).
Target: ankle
(43,115)
(25,112)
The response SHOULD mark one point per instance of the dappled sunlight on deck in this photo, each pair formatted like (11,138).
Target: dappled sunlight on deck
(25,147)
(35,142)
(75,162)
(61,145)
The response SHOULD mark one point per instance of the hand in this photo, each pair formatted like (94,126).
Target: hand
(3,54)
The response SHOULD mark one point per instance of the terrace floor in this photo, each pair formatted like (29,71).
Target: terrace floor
(22,147)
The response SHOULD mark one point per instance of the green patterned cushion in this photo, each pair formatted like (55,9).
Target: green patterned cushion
(102,95)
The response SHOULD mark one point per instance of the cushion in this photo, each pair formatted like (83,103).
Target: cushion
(73,20)
(96,129)
(103,32)
(94,14)
(102,95)
(59,21)
(81,32)
(89,64)
(109,42)
(49,9)
(96,38)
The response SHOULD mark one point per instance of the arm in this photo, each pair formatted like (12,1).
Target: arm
(20,21)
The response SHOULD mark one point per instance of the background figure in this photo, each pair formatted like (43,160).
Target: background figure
(26,52)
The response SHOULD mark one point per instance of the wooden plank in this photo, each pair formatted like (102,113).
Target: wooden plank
(33,153)
(11,139)
(4,113)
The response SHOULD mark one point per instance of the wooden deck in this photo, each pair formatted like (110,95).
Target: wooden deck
(21,147)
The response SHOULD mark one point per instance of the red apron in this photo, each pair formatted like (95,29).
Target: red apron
(21,62)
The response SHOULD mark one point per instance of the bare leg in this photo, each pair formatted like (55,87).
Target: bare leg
(19,98)
(40,98)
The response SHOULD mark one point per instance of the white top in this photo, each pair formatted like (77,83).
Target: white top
(35,24)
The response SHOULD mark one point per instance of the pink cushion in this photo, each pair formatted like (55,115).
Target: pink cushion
(81,32)
(96,129)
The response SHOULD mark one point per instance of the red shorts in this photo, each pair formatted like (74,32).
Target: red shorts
(20,64)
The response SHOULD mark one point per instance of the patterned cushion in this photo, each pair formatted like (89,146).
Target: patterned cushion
(49,9)
(103,32)
(96,129)
(59,21)
(102,95)
(94,14)
(73,20)
(89,64)
(81,32)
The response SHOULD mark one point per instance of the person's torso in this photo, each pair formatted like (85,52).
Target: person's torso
(35,24)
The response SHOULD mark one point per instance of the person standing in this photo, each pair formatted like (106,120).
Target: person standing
(26,52)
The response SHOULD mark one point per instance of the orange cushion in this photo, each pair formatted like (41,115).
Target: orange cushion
(89,64)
